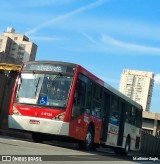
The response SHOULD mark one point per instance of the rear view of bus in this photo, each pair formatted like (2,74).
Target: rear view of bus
(40,99)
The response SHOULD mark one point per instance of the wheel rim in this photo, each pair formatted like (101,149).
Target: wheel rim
(88,139)
(127,147)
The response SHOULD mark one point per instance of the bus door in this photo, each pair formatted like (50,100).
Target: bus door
(105,116)
(121,123)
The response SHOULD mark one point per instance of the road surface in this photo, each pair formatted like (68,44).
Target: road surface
(16,149)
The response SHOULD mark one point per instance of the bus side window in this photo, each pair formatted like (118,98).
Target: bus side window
(128,114)
(133,116)
(97,101)
(96,110)
(89,96)
(139,118)
(79,99)
(81,94)
(114,118)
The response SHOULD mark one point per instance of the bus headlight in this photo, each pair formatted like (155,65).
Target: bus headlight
(59,117)
(15,111)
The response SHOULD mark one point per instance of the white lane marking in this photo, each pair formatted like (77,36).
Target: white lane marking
(18,141)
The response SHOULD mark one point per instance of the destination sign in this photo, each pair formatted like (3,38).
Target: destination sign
(48,67)
(51,68)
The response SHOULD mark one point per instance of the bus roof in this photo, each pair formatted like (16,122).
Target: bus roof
(111,89)
(50,62)
(118,93)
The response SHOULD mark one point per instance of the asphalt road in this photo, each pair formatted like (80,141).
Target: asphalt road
(16,149)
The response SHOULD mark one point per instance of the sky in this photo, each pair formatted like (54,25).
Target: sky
(104,36)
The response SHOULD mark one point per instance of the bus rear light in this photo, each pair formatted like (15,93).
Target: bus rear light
(15,112)
(59,117)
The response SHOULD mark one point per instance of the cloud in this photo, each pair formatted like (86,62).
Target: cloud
(121,45)
(64,16)
(133,29)
(157,79)
(106,43)
(90,38)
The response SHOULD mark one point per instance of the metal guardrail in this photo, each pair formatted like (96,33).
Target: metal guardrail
(150,145)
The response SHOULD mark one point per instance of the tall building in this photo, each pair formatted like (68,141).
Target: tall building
(138,85)
(16,48)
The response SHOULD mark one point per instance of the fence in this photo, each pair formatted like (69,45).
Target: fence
(150,145)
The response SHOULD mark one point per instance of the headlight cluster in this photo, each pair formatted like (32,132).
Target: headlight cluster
(15,112)
(59,117)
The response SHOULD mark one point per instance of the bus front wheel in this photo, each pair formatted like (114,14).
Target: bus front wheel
(88,143)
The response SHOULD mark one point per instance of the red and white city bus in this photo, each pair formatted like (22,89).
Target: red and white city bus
(62,99)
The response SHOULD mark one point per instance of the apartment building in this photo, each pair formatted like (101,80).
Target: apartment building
(138,85)
(16,48)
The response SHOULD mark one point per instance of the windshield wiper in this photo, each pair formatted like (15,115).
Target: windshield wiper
(37,86)
(54,80)
(19,83)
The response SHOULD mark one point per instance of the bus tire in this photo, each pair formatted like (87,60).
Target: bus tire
(37,137)
(88,143)
(126,149)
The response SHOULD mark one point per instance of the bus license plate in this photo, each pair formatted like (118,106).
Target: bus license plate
(34,122)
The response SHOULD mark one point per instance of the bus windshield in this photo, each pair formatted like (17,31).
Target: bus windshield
(43,89)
